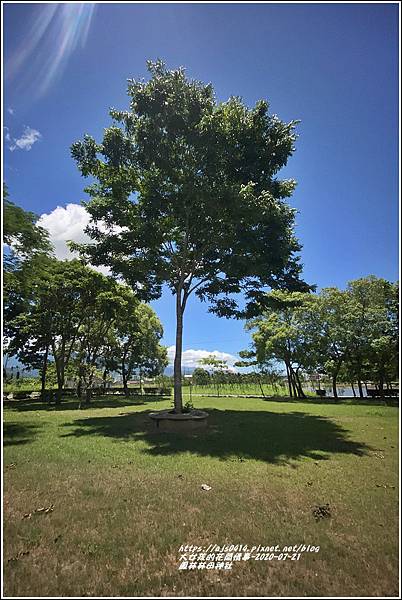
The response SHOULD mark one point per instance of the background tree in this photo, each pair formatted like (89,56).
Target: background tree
(352,334)
(62,296)
(327,322)
(109,301)
(188,191)
(138,347)
(21,233)
(26,250)
(218,369)
(201,376)
(260,369)
(373,323)
(283,334)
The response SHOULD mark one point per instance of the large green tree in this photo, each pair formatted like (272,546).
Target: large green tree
(62,298)
(282,333)
(186,193)
(326,325)
(137,345)
(373,325)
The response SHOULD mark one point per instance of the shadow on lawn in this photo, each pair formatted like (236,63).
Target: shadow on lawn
(72,403)
(16,434)
(266,436)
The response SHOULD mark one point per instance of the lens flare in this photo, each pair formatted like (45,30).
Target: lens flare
(51,37)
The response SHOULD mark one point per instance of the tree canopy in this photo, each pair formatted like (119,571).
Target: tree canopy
(351,333)
(76,315)
(186,193)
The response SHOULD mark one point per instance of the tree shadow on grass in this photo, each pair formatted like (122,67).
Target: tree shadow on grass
(261,435)
(72,403)
(16,434)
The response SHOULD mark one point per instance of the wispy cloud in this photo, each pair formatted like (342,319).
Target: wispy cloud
(10,110)
(28,138)
(7,136)
(54,32)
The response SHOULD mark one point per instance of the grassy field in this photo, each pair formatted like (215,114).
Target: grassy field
(122,498)
(252,389)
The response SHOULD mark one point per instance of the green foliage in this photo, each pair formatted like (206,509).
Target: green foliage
(20,231)
(192,184)
(200,376)
(188,406)
(27,247)
(188,190)
(352,333)
(215,363)
(76,323)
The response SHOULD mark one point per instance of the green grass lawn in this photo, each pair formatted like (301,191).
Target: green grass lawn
(233,389)
(125,498)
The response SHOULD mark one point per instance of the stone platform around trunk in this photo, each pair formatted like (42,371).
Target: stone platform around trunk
(167,420)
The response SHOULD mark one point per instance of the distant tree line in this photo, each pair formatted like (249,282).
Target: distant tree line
(347,335)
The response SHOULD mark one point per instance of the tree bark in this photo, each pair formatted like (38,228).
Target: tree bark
(124,377)
(301,394)
(43,374)
(359,383)
(260,384)
(289,380)
(60,381)
(381,384)
(178,398)
(59,391)
(334,389)
(293,382)
(334,380)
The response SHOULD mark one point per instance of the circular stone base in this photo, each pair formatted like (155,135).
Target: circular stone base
(167,420)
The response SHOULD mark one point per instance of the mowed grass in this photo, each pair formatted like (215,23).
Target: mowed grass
(126,497)
(222,389)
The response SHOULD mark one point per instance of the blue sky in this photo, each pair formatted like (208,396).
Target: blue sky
(333,66)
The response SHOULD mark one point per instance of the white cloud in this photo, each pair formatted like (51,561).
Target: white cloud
(7,136)
(10,110)
(67,224)
(190,358)
(26,141)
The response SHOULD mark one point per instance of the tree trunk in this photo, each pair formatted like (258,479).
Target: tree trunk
(334,389)
(301,394)
(293,381)
(141,386)
(80,378)
(43,374)
(60,382)
(59,392)
(124,377)
(260,384)
(105,372)
(88,391)
(178,398)
(381,384)
(359,383)
(289,379)
(295,391)
(353,389)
